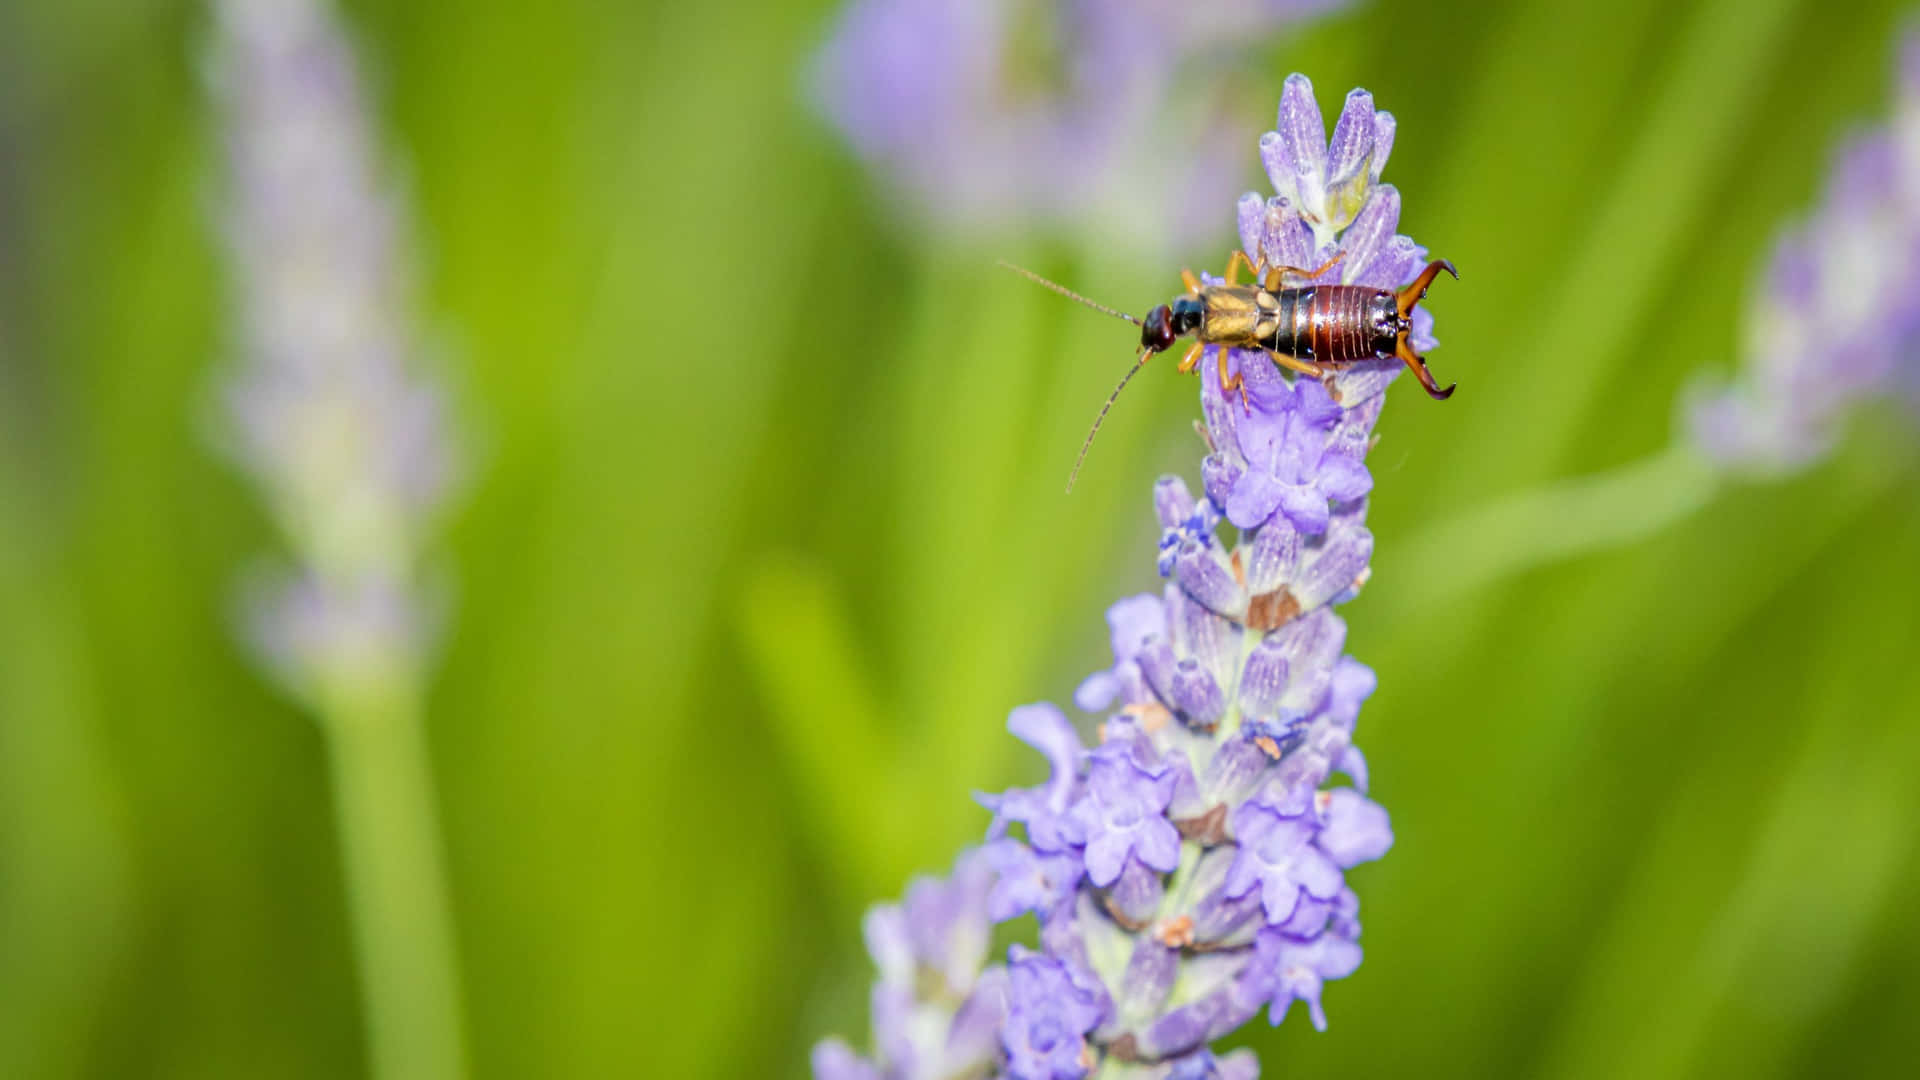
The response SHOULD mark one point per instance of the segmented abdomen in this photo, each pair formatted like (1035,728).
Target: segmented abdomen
(1328,324)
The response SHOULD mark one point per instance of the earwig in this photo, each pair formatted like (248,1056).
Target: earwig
(1312,329)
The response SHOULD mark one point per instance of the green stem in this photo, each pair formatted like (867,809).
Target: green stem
(396,891)
(1533,528)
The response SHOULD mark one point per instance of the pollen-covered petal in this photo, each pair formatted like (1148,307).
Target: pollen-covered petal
(1149,977)
(1334,568)
(1311,644)
(1265,676)
(1349,168)
(1289,239)
(1252,213)
(1393,262)
(1136,894)
(1371,233)
(1202,571)
(1219,475)
(1384,127)
(1272,557)
(1197,694)
(1172,502)
(1351,149)
(1296,152)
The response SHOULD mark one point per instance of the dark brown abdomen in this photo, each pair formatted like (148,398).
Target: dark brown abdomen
(1328,324)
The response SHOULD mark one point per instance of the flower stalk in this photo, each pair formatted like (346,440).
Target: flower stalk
(347,447)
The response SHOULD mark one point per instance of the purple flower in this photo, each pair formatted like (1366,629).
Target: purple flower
(1286,970)
(1203,1065)
(937,1009)
(1049,1013)
(1043,810)
(1356,829)
(1192,869)
(1133,622)
(1836,309)
(938,96)
(1121,811)
(327,409)
(835,1060)
(1029,880)
(1278,856)
(1290,464)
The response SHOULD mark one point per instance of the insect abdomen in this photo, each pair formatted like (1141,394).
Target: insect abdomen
(1328,324)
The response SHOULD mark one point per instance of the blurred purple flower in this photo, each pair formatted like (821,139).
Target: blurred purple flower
(346,441)
(1838,307)
(1008,113)
(1049,1013)
(938,1009)
(1121,811)
(1203,844)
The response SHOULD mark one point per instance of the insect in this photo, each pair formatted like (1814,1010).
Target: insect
(1311,329)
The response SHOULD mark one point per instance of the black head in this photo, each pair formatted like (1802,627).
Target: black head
(1157,333)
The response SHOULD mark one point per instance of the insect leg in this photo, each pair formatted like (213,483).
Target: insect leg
(1238,259)
(1276,276)
(1191,360)
(1193,283)
(1304,367)
(1230,383)
(1418,365)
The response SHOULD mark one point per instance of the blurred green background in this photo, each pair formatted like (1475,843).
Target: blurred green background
(765,535)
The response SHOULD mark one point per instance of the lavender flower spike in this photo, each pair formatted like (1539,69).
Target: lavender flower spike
(938,1008)
(937,96)
(1838,308)
(347,446)
(1195,869)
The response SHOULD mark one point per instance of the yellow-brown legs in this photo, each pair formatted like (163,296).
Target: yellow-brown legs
(1273,279)
(1193,283)
(1276,277)
(1409,296)
(1418,365)
(1192,360)
(1235,261)
(1304,367)
(1230,383)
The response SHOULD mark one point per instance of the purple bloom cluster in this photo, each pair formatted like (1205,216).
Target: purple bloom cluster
(958,103)
(1839,305)
(348,444)
(1190,871)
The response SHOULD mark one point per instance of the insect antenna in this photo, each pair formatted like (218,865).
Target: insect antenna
(1098,420)
(1066,292)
